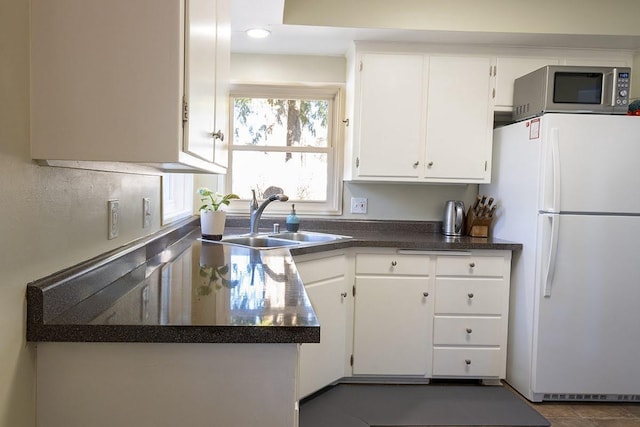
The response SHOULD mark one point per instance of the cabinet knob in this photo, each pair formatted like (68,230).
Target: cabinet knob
(430,164)
(425,294)
(415,165)
(472,264)
(467,361)
(393,263)
(343,295)
(470,294)
(469,330)
(218,135)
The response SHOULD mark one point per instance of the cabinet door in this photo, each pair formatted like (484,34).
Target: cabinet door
(323,363)
(106,80)
(390,118)
(200,73)
(509,69)
(223,76)
(459,120)
(392,326)
(327,288)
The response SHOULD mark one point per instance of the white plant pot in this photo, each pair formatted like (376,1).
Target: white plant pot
(212,224)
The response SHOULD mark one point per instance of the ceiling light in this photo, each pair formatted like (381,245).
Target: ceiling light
(258,33)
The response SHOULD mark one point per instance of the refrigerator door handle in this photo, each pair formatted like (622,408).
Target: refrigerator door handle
(553,250)
(555,161)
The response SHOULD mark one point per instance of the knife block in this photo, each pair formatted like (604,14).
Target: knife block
(477,226)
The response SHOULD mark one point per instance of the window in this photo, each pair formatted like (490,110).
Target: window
(177,196)
(284,140)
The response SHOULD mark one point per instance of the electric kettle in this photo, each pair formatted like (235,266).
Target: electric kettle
(453,221)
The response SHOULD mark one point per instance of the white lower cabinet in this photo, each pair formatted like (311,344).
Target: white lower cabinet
(471,315)
(399,313)
(326,283)
(393,314)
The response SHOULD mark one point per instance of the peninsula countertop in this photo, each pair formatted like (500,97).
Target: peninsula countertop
(177,288)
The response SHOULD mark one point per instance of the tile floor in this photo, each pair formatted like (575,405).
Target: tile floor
(592,414)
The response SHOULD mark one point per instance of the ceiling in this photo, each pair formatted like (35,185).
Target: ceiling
(334,41)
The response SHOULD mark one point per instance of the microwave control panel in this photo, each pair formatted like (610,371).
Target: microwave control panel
(622,83)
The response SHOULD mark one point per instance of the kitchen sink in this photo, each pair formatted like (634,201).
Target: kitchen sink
(259,241)
(309,237)
(280,240)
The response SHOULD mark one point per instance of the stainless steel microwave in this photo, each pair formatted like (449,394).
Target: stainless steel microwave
(571,89)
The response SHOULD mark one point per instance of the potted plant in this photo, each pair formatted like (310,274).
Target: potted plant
(212,218)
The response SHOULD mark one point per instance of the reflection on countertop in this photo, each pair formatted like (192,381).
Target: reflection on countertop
(223,293)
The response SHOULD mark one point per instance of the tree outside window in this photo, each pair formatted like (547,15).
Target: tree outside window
(285,142)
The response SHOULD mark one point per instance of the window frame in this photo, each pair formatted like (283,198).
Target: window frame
(333,94)
(180,206)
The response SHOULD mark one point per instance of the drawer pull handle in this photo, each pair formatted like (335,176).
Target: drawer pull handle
(472,264)
(467,361)
(394,263)
(343,295)
(425,294)
(469,330)
(470,294)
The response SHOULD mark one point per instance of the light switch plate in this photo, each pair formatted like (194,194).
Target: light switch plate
(113,211)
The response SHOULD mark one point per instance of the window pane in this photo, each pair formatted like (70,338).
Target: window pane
(301,176)
(280,122)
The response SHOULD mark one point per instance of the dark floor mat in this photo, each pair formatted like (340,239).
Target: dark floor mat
(361,405)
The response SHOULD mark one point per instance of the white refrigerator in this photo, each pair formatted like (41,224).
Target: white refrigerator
(568,187)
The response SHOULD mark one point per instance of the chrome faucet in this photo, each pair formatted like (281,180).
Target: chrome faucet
(256,211)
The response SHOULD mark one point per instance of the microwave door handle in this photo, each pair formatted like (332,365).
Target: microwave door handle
(607,88)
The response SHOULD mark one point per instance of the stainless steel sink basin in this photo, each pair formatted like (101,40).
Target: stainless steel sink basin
(280,240)
(259,241)
(309,237)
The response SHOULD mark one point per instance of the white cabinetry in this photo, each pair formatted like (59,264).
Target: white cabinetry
(510,68)
(326,283)
(391,116)
(471,314)
(419,117)
(393,314)
(113,81)
(459,131)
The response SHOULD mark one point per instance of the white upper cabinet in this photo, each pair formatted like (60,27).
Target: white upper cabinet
(417,117)
(510,68)
(122,81)
(459,122)
(390,122)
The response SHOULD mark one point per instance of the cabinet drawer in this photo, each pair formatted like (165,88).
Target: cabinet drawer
(393,264)
(468,362)
(470,296)
(470,266)
(322,269)
(468,331)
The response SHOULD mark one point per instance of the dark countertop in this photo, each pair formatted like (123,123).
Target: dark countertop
(173,287)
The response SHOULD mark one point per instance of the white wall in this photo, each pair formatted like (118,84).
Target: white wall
(50,218)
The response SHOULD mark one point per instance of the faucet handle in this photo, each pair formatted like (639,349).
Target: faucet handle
(254,201)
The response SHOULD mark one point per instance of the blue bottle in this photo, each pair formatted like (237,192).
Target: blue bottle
(293,223)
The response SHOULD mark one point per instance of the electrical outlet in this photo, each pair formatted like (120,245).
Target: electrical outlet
(146,212)
(359,205)
(114,218)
